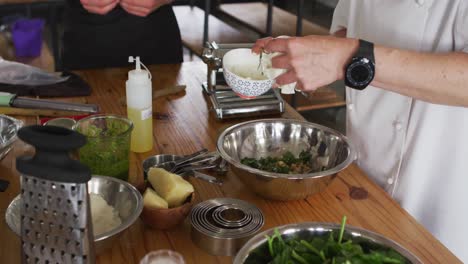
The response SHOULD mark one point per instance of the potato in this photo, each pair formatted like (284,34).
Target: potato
(171,187)
(153,200)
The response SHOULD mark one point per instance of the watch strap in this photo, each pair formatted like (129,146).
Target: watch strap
(366,50)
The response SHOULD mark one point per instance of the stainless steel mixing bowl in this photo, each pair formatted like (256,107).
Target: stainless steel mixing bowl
(9,127)
(309,230)
(119,194)
(272,138)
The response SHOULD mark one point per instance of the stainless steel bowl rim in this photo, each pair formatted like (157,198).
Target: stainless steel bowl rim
(18,124)
(124,225)
(260,238)
(336,169)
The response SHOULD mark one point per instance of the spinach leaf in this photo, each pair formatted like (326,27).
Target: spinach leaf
(335,248)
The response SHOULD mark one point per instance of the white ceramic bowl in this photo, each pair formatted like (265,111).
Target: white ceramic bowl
(242,73)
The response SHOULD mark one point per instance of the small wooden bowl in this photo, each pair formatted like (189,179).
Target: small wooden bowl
(167,218)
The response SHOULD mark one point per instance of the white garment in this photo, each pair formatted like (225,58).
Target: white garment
(417,151)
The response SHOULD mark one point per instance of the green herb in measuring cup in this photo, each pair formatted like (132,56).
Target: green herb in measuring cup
(108,144)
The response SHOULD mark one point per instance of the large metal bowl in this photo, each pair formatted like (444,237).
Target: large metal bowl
(309,230)
(273,137)
(119,194)
(9,127)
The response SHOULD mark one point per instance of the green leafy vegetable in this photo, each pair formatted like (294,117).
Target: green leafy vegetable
(287,163)
(335,248)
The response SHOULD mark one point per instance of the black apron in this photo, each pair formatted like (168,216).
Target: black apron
(99,41)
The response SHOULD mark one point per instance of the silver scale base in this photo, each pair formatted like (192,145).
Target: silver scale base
(226,104)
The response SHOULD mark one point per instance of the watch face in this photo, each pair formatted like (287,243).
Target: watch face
(360,73)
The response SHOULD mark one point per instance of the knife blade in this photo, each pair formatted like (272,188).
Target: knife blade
(8,99)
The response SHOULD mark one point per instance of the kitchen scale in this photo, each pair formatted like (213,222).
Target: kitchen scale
(225,102)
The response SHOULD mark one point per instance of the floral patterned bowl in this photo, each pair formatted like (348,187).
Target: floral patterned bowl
(243,74)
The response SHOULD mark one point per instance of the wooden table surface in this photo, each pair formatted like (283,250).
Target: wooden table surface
(183,124)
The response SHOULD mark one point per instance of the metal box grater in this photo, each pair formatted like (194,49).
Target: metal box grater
(225,102)
(56,222)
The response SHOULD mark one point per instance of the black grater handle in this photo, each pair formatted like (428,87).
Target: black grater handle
(52,160)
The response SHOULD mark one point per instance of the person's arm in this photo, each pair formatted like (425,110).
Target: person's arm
(436,78)
(315,61)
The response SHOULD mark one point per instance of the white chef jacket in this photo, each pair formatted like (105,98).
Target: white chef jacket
(417,151)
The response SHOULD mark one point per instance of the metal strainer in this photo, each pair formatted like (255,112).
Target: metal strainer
(56,222)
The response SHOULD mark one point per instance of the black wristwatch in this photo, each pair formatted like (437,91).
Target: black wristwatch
(361,70)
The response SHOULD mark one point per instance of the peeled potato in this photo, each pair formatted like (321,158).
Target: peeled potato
(153,200)
(171,187)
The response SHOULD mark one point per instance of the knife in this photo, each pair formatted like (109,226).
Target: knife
(11,100)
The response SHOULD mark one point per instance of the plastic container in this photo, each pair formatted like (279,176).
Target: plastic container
(140,107)
(27,37)
(108,144)
(163,257)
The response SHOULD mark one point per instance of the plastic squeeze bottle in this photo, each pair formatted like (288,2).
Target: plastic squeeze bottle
(140,106)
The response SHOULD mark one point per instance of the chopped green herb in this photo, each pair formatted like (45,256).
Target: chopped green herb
(106,151)
(287,163)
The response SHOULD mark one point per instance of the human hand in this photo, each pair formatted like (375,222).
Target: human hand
(100,7)
(142,8)
(311,61)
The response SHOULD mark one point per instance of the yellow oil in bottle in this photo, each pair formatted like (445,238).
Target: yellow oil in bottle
(142,134)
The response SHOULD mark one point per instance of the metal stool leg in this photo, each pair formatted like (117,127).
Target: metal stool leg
(269,25)
(205,25)
(300,14)
(54,35)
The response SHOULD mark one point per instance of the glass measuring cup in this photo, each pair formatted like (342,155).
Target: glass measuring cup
(108,144)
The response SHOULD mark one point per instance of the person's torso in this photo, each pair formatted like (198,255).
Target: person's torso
(413,149)
(108,40)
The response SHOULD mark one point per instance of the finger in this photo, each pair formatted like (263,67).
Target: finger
(138,14)
(281,62)
(97,3)
(311,85)
(299,85)
(286,78)
(136,10)
(100,10)
(134,3)
(260,44)
(277,45)
(150,4)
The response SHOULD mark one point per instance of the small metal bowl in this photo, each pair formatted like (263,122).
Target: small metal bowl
(156,160)
(272,138)
(309,230)
(119,194)
(9,127)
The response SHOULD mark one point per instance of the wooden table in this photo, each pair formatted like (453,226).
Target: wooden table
(182,124)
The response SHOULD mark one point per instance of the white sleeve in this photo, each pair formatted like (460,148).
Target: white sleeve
(340,16)
(461,27)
